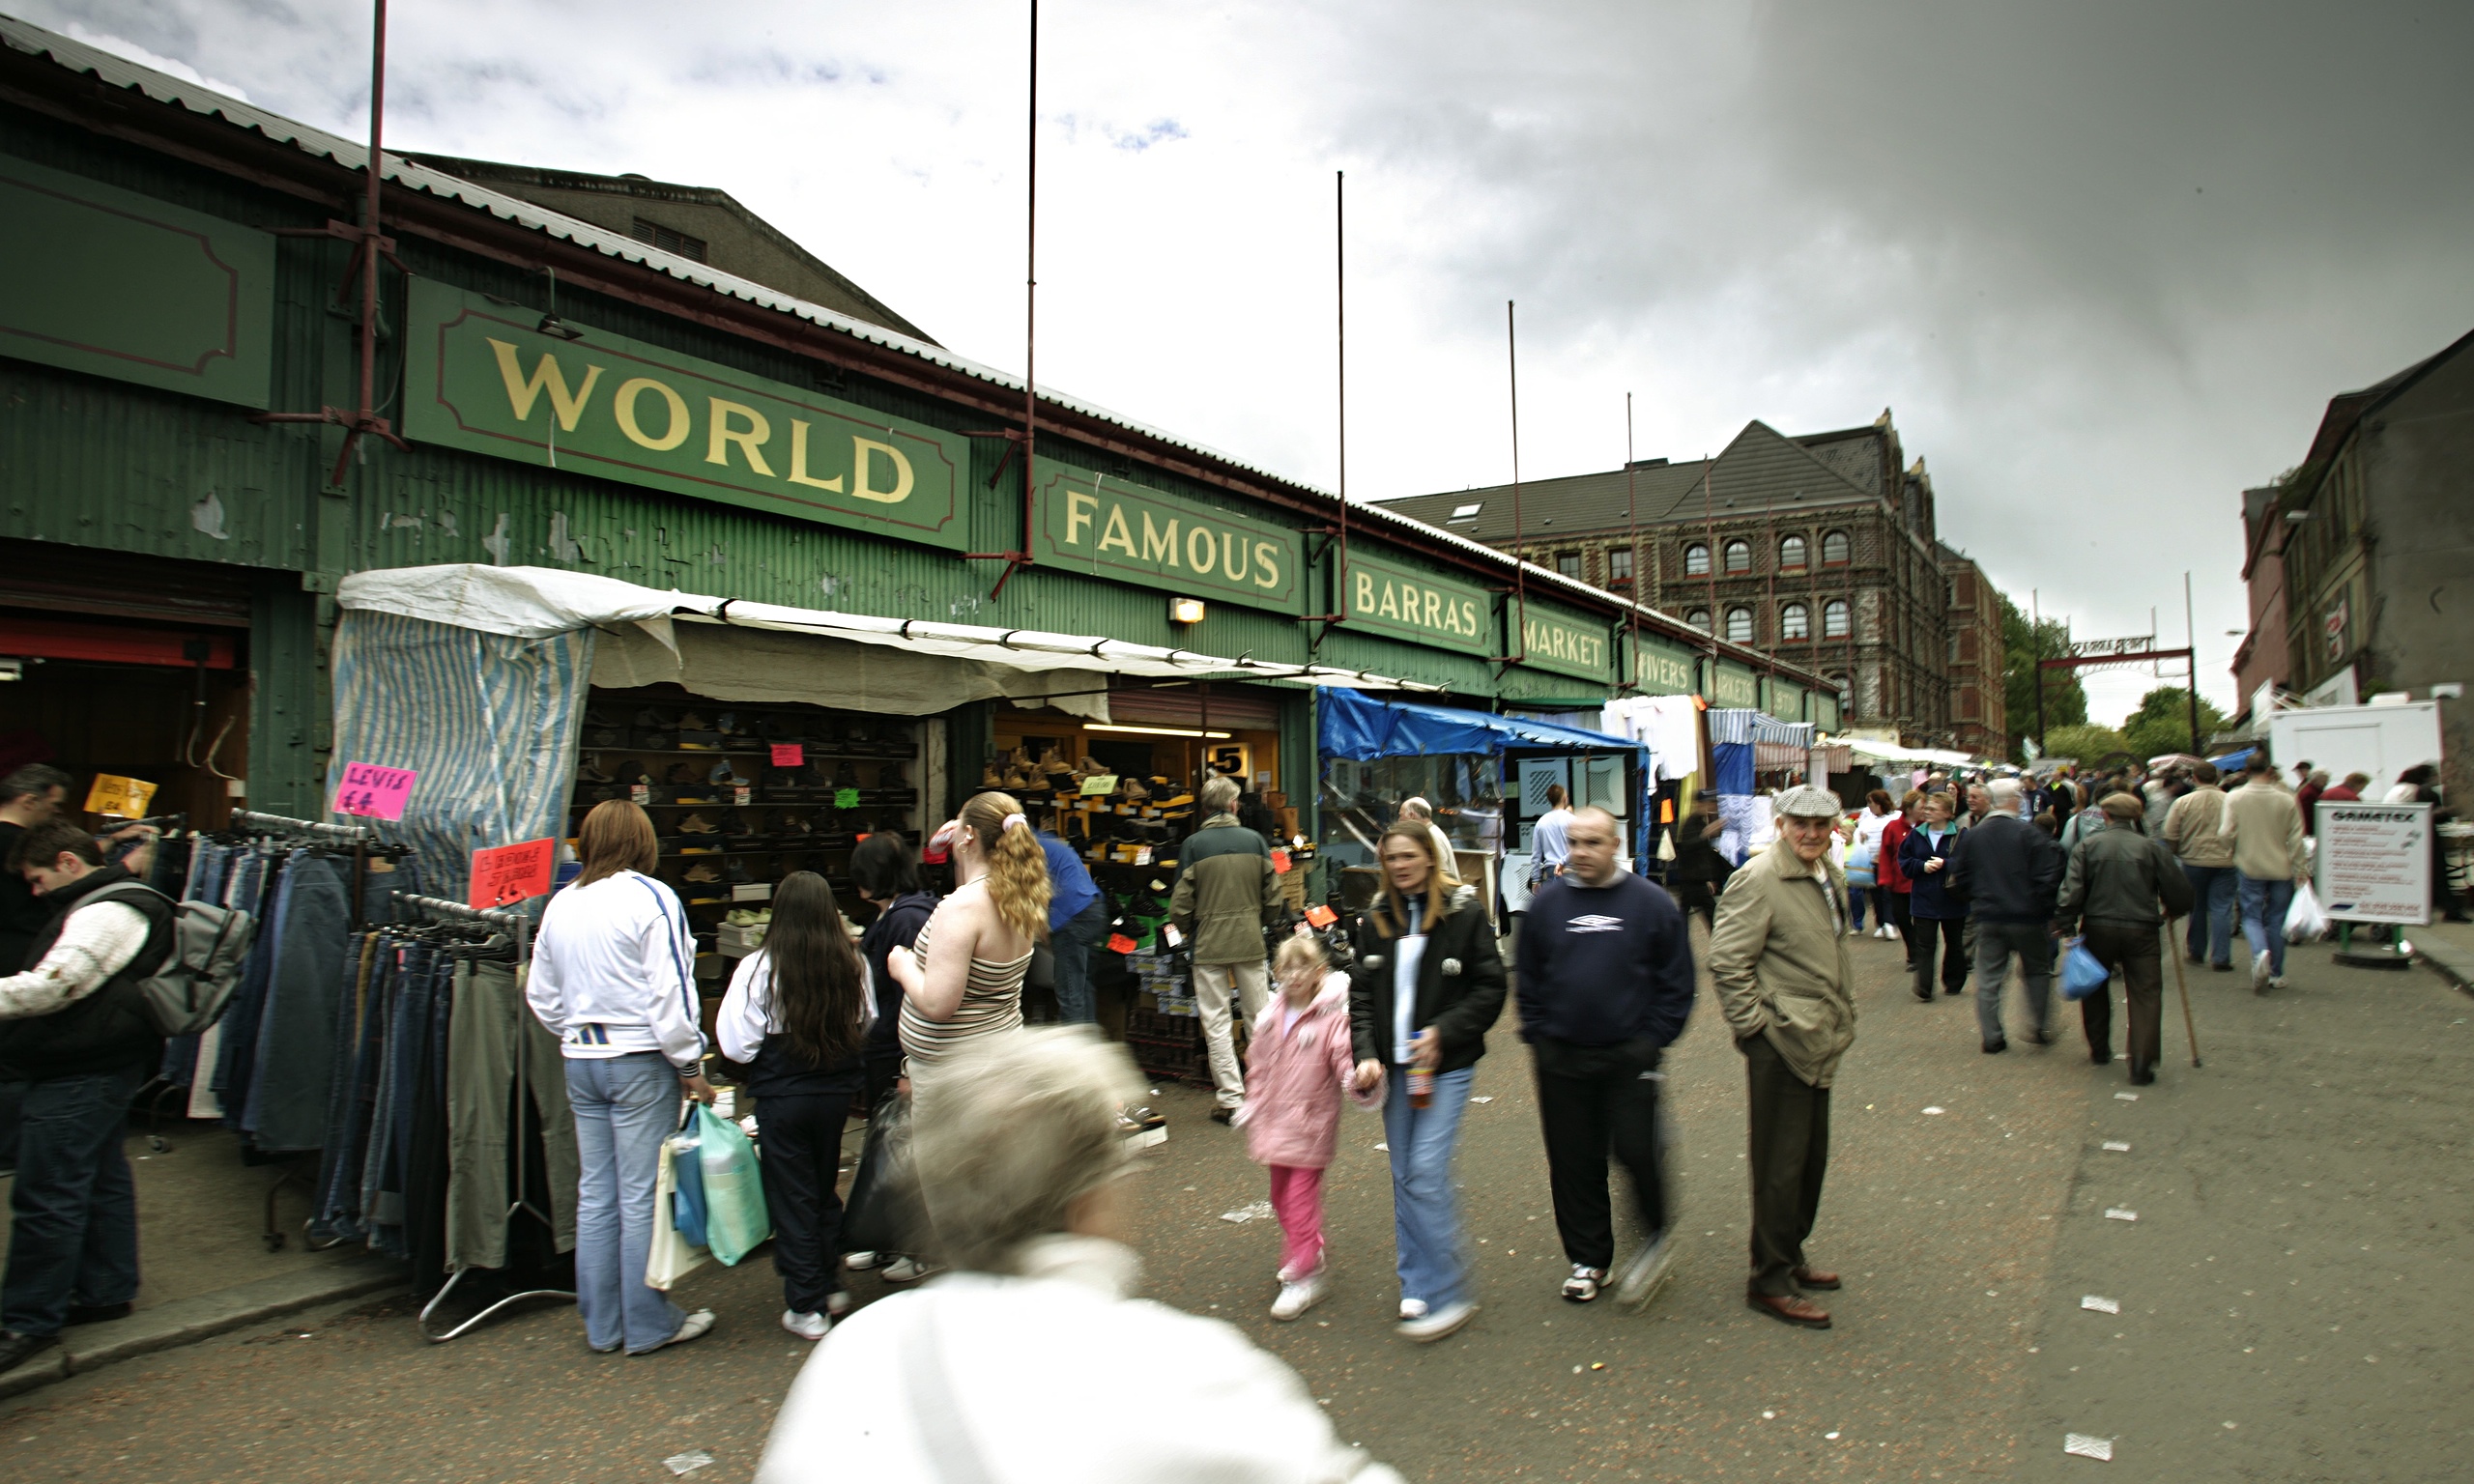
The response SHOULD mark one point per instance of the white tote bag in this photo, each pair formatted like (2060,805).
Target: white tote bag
(2304,920)
(671,1258)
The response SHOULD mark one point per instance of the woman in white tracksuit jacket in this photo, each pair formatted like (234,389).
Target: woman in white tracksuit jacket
(613,979)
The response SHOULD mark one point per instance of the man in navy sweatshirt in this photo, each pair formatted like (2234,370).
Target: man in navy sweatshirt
(1606,985)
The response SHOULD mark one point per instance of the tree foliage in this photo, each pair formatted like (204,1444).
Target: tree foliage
(2162,724)
(2084,743)
(2065,700)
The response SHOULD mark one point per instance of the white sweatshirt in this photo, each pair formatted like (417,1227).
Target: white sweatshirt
(613,972)
(747,1014)
(98,941)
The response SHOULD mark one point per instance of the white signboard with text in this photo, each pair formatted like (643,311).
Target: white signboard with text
(2375,862)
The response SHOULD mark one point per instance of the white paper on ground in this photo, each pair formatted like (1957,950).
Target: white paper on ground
(2118,1146)
(2101,1305)
(2084,1445)
(2120,1213)
(687,1463)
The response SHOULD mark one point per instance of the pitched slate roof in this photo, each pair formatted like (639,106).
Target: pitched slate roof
(1760,470)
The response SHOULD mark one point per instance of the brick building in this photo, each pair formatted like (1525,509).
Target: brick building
(1818,548)
(1977,655)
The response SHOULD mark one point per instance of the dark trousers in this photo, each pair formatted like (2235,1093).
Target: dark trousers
(1697,897)
(802,1135)
(1790,1154)
(1594,1101)
(1950,933)
(1904,919)
(73,1208)
(2133,952)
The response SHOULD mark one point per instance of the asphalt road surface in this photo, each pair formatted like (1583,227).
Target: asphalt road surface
(2288,1296)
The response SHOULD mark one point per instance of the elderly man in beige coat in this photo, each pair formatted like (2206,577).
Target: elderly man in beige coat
(1778,958)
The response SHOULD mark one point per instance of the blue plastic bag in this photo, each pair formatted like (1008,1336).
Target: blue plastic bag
(736,1223)
(687,1173)
(2081,974)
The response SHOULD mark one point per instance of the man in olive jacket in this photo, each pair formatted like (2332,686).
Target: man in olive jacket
(1778,959)
(1226,894)
(2122,886)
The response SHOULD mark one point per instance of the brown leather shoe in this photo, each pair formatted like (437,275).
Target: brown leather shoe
(1814,1277)
(1787,1308)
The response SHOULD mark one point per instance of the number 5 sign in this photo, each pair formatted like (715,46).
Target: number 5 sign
(507,875)
(374,792)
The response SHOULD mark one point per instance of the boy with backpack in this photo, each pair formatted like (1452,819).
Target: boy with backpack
(116,968)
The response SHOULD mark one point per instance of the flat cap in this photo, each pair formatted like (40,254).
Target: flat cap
(1807,802)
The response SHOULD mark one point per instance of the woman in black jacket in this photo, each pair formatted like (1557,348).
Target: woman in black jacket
(1428,982)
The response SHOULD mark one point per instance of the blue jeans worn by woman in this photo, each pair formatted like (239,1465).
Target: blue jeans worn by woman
(624,1107)
(1425,1216)
(2263,907)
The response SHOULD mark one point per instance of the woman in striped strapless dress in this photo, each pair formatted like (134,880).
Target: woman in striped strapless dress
(963,978)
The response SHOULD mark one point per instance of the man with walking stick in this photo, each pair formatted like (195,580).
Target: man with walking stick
(2122,886)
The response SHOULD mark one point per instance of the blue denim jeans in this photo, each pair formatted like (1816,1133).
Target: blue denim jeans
(1877,896)
(1425,1216)
(2212,929)
(74,1209)
(1072,945)
(2263,909)
(624,1107)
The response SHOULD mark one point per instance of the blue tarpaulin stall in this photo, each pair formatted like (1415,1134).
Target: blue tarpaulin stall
(1350,723)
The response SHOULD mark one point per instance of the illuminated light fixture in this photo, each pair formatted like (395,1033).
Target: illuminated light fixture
(1158,732)
(1185,610)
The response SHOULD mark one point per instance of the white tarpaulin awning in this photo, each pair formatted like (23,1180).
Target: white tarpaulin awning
(1890,751)
(537,602)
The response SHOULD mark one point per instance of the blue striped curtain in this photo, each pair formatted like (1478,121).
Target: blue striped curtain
(489,722)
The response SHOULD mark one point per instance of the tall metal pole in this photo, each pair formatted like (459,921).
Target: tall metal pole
(1632,540)
(1030,295)
(1519,650)
(2037,654)
(1340,352)
(369,224)
(2191,641)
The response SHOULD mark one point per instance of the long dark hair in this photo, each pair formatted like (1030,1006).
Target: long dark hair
(818,983)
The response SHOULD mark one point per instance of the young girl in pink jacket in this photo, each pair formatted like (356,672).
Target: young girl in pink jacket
(1297,1066)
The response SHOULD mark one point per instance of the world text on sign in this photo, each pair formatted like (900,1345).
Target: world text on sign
(481,376)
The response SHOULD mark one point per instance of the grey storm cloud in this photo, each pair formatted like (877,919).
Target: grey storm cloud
(2105,260)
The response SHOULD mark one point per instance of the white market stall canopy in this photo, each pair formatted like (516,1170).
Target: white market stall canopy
(1065,670)
(1890,751)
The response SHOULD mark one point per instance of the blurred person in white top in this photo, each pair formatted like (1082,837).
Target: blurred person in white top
(1023,1174)
(613,979)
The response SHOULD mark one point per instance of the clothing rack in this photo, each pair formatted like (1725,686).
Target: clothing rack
(357,836)
(521,927)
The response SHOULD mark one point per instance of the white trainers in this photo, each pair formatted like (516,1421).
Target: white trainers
(837,1304)
(1647,1273)
(2276,981)
(858,1262)
(1412,1309)
(1438,1323)
(906,1270)
(694,1326)
(1582,1286)
(2258,973)
(1297,1298)
(807,1327)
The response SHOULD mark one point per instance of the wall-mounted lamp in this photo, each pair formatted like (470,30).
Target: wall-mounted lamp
(1185,610)
(552,325)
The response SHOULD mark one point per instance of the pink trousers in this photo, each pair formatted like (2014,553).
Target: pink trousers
(1297,1199)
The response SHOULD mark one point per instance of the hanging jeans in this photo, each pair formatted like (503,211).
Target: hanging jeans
(293,1065)
(72,1210)
(490,1030)
(624,1107)
(1072,945)
(1426,1214)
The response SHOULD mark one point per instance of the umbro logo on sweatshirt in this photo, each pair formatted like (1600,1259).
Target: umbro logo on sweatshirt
(1596,922)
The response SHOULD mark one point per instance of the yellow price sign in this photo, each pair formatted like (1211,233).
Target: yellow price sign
(118,797)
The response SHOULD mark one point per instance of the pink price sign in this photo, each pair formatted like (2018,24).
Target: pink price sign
(789,755)
(374,792)
(507,875)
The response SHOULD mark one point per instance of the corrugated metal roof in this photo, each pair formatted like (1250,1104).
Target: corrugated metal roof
(119,71)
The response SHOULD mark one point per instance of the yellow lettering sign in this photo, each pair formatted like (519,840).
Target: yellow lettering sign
(522,391)
(1202,549)
(750,439)
(863,452)
(623,408)
(1117,536)
(800,461)
(1266,564)
(1077,515)
(1156,545)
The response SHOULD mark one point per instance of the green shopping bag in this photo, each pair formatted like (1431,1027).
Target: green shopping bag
(734,1220)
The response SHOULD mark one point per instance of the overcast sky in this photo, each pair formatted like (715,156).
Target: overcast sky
(2106,262)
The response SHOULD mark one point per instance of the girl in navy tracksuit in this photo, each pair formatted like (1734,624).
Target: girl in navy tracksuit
(1940,915)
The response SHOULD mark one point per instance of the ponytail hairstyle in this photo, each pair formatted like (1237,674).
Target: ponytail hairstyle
(820,986)
(1017,880)
(1391,914)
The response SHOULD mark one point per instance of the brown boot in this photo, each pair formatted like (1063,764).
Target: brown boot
(1790,1309)
(1814,1277)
